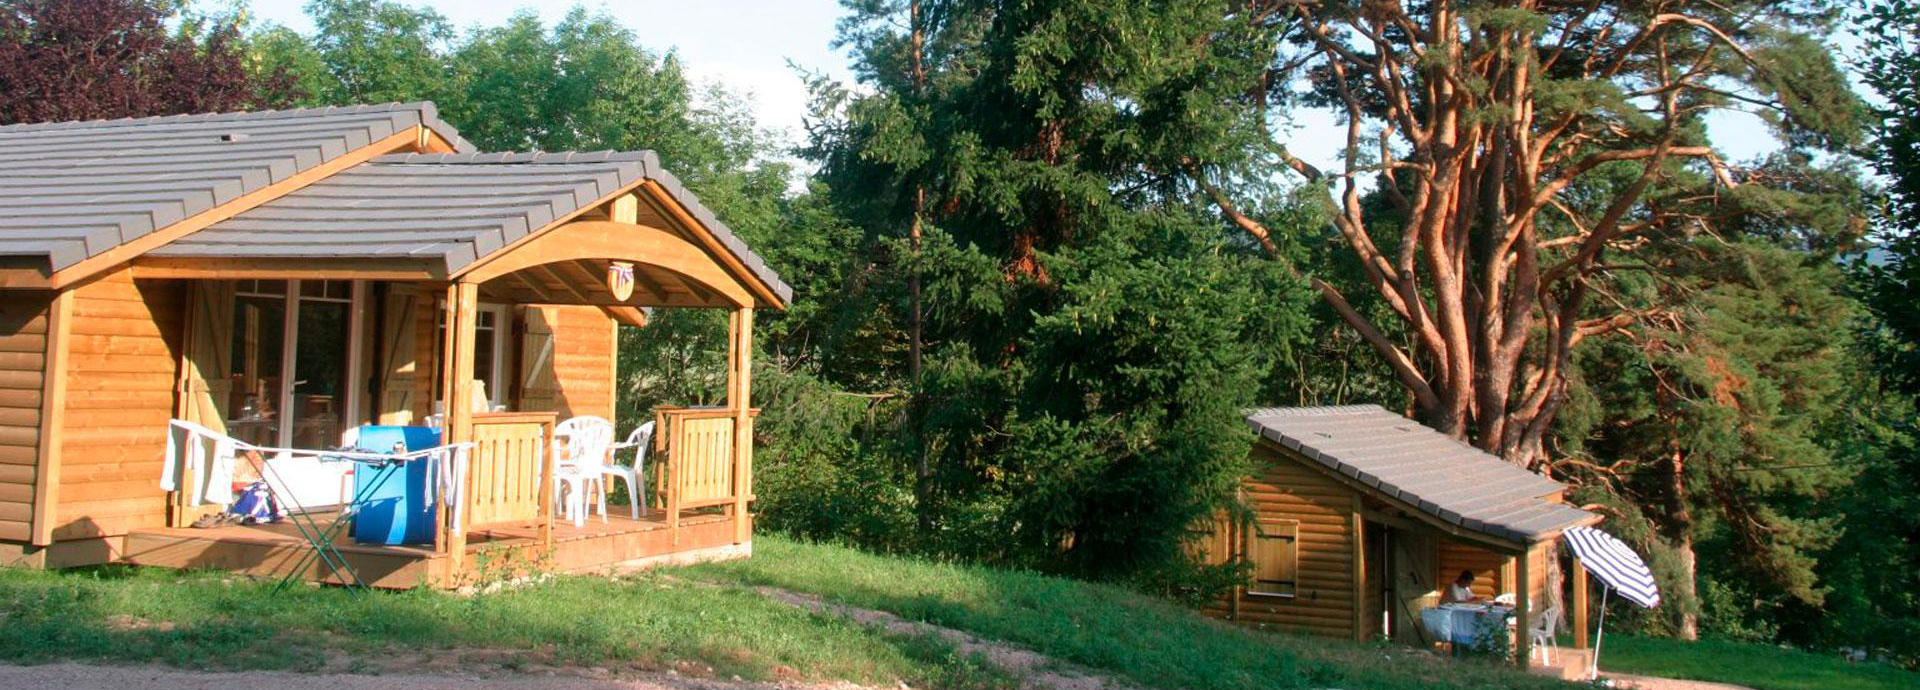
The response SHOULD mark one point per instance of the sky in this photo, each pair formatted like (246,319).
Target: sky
(746,45)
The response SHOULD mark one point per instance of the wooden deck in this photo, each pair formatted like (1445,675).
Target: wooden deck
(493,553)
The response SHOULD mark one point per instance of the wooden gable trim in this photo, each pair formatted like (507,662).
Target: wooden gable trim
(410,138)
(664,203)
(622,206)
(631,316)
(239,268)
(1451,530)
(605,239)
(602,207)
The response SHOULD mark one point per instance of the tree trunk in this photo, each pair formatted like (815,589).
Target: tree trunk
(1686,614)
(923,469)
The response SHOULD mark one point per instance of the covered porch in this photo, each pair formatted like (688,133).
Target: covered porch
(479,295)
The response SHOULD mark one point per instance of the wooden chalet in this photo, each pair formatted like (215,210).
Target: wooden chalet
(1359,517)
(282,276)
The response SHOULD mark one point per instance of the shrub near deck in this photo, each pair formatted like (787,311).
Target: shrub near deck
(1109,629)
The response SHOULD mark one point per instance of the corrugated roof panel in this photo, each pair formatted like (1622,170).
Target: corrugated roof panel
(1440,476)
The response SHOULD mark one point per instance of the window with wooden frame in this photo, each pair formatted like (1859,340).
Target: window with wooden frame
(1273,548)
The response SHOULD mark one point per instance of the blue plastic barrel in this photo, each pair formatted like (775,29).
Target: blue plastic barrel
(397,510)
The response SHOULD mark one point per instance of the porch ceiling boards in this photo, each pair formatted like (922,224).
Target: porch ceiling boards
(445,212)
(70,191)
(1402,460)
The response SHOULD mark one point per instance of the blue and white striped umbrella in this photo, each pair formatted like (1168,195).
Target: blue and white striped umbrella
(1614,563)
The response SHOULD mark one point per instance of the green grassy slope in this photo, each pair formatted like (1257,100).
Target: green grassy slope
(1761,666)
(706,620)
(211,620)
(1146,641)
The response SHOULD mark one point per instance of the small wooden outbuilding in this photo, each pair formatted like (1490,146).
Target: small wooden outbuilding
(282,276)
(1359,517)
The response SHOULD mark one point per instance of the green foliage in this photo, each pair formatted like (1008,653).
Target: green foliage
(374,51)
(1091,332)
(1891,32)
(1744,394)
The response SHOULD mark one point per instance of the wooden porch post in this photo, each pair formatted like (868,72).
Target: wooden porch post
(740,397)
(53,410)
(457,376)
(1522,602)
(1579,604)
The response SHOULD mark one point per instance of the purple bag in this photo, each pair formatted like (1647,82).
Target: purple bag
(255,504)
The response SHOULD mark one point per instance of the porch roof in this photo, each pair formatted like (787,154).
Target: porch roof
(452,209)
(1407,462)
(74,190)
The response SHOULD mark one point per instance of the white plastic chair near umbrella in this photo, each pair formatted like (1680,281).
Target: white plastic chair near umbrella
(1617,566)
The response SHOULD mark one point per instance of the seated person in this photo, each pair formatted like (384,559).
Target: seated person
(1460,591)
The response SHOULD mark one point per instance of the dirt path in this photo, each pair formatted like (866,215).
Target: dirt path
(70,676)
(1034,670)
(1651,683)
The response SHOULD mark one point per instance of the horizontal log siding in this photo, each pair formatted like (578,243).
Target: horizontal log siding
(1283,488)
(23,352)
(121,369)
(583,361)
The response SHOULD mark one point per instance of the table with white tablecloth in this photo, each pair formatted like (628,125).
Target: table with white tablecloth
(1465,623)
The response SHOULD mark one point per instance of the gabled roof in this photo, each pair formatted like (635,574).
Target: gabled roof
(451,208)
(72,190)
(1403,460)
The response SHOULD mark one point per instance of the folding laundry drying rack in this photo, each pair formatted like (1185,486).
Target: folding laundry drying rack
(448,477)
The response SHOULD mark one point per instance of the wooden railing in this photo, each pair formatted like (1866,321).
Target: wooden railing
(505,479)
(702,466)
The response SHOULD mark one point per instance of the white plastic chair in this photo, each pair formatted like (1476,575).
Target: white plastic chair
(641,437)
(1542,634)
(581,446)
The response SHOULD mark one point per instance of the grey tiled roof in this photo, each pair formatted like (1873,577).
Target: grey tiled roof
(455,208)
(71,190)
(1404,459)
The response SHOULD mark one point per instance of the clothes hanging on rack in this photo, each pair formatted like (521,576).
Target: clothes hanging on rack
(206,457)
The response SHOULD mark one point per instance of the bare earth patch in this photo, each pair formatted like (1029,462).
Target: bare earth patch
(1627,680)
(1035,671)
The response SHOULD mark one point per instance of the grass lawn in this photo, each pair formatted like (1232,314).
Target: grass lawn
(211,620)
(1766,667)
(1149,642)
(700,620)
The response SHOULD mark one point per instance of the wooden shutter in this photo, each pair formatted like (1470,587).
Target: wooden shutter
(399,358)
(539,387)
(1274,547)
(205,385)
(206,364)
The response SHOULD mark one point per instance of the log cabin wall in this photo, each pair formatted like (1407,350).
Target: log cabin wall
(1283,489)
(122,362)
(557,359)
(23,352)
(1490,577)
(1493,573)
(566,357)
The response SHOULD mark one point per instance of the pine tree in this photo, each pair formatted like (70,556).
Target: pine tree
(1522,151)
